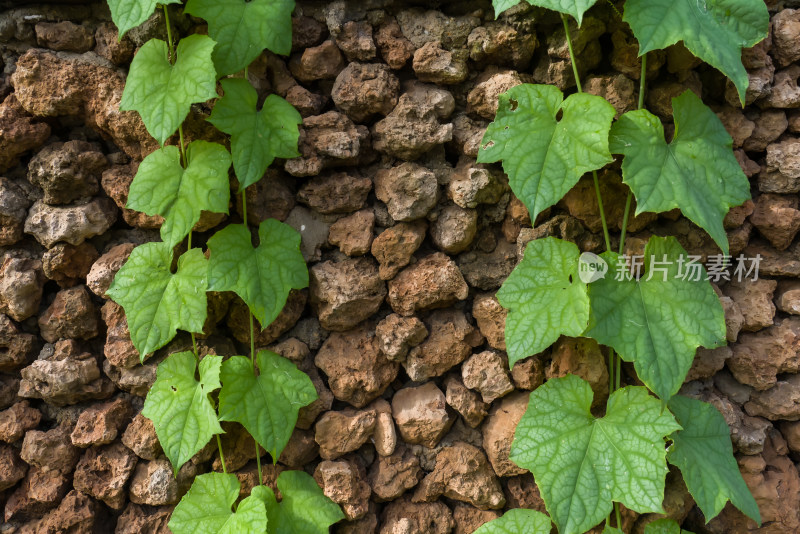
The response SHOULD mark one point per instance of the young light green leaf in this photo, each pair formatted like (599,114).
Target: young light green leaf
(575,8)
(179,406)
(611,530)
(304,508)
(162,186)
(703,453)
(665,526)
(503,5)
(542,156)
(158,302)
(581,464)
(162,93)
(697,172)
(267,404)
(659,322)
(208,508)
(257,136)
(128,14)
(545,298)
(244,28)
(713,30)
(261,276)
(518,521)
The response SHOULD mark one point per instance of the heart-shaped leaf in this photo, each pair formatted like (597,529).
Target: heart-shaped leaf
(128,14)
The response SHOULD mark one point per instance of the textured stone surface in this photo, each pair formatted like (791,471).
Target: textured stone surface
(345,293)
(433,282)
(72,224)
(421,414)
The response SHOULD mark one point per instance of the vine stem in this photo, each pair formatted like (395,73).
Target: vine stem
(221,456)
(574,63)
(642,86)
(170,58)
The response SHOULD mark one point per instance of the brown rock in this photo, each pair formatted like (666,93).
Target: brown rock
(17,349)
(777,218)
(344,482)
(450,341)
(13,211)
(20,132)
(105,268)
(323,62)
(455,229)
(71,315)
(402,515)
(409,190)
(581,357)
(467,134)
(116,182)
(739,127)
(474,184)
(137,519)
(140,437)
(394,47)
(338,433)
(353,234)
(357,371)
(391,476)
(618,90)
(462,473)
(487,372)
(21,285)
(528,374)
(355,40)
(301,449)
(781,401)
(498,433)
(754,299)
(385,436)
(785,31)
(100,423)
(413,127)
(39,492)
(73,224)
(782,172)
(490,85)
(769,125)
(488,270)
(465,402)
(67,171)
(64,35)
(468,518)
(327,140)
(67,264)
(434,64)
(238,319)
(153,483)
(394,247)
(119,349)
(499,43)
(788,297)
(734,320)
(421,415)
(335,193)
(345,293)
(707,362)
(12,468)
(103,471)
(110,46)
(433,282)
(491,319)
(50,451)
(17,420)
(363,90)
(759,358)
(397,334)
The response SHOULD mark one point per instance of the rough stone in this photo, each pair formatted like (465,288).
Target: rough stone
(788,297)
(116,182)
(434,64)
(394,247)
(488,270)
(67,171)
(468,518)
(344,482)
(483,99)
(39,492)
(474,184)
(118,349)
(758,358)
(363,90)
(500,43)
(75,513)
(384,438)
(335,193)
(137,519)
(72,224)
(785,30)
(21,286)
(468,134)
(100,423)
(451,340)
(16,348)
(357,371)
(17,420)
(20,132)
(395,49)
(498,433)
(462,473)
(50,451)
(581,357)
(404,516)
(110,46)
(768,127)
(353,234)
(153,484)
(338,433)
(409,190)
(346,292)
(13,211)
(64,35)
(707,362)
(140,437)
(777,218)
(355,40)
(102,473)
(782,171)
(421,415)
(71,315)
(12,468)
(617,89)
(454,229)
(780,402)
(391,476)
(238,319)
(397,335)
(323,62)
(301,449)
(105,268)
(465,401)
(433,282)
(487,373)
(68,265)
(327,140)
(754,299)
(529,373)
(491,319)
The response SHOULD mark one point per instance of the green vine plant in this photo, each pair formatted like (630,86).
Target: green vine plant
(585,466)
(161,295)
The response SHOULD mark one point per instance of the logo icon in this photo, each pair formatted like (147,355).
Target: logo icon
(591,267)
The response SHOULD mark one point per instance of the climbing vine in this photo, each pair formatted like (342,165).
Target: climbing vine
(585,466)
(162,294)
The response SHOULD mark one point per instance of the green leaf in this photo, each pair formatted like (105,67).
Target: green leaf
(503,5)
(208,508)
(658,323)
(162,186)
(611,530)
(261,276)
(267,404)
(575,8)
(697,172)
(704,454)
(713,30)
(179,406)
(128,14)
(664,526)
(581,464)
(304,508)
(158,302)
(162,93)
(542,156)
(518,521)
(244,29)
(257,137)
(545,298)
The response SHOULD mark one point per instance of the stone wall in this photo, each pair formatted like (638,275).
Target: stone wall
(407,241)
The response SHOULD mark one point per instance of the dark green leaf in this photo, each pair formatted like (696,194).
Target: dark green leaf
(518,521)
(304,508)
(128,14)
